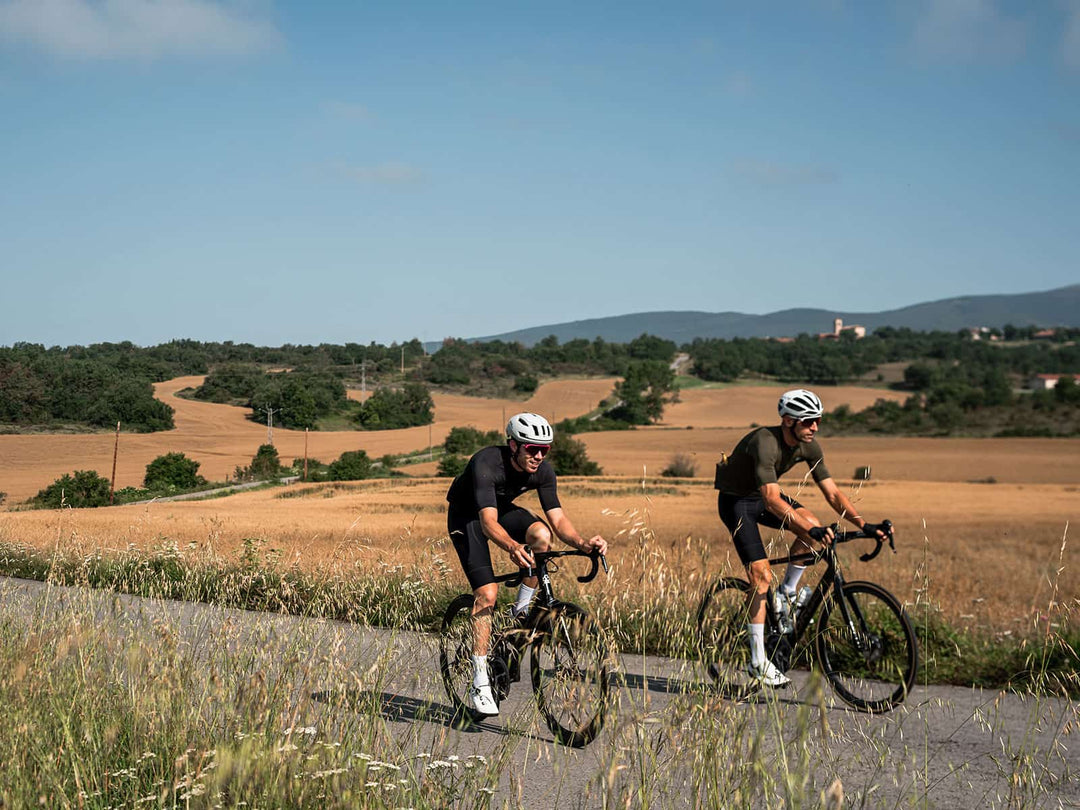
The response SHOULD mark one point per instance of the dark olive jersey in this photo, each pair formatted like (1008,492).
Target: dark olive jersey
(761,457)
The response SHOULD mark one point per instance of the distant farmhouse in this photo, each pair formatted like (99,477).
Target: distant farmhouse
(1045,382)
(979,332)
(839,329)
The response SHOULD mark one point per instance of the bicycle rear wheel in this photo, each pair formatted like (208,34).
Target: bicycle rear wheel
(725,650)
(455,655)
(866,647)
(570,664)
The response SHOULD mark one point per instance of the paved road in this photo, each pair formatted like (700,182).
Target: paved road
(947,747)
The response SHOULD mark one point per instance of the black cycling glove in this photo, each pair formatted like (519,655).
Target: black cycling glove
(871,529)
(817,533)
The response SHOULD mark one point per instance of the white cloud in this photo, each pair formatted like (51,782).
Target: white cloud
(384,174)
(770,173)
(1071,43)
(144,29)
(968,30)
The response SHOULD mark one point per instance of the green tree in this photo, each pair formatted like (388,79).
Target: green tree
(352,465)
(569,457)
(173,471)
(465,441)
(647,387)
(265,463)
(390,408)
(451,465)
(84,488)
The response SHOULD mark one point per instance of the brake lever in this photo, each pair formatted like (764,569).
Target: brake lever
(603,562)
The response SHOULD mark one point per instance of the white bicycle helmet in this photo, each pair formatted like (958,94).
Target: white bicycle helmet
(529,428)
(800,404)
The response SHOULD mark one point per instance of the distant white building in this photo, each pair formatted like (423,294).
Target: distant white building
(1044,382)
(839,328)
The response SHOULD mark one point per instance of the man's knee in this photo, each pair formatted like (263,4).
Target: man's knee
(760,574)
(484,598)
(538,536)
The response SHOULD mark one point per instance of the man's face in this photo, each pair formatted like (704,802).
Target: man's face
(529,456)
(804,429)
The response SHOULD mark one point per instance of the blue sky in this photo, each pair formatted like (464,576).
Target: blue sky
(272,171)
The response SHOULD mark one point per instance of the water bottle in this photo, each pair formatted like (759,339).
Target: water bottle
(782,609)
(804,596)
(801,599)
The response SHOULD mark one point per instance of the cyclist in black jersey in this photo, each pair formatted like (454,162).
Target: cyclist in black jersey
(750,495)
(481,508)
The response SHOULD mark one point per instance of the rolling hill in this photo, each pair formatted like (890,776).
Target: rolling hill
(1060,307)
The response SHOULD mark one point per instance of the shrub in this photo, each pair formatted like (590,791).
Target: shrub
(173,471)
(526,383)
(680,466)
(81,489)
(569,457)
(352,465)
(465,441)
(264,464)
(451,465)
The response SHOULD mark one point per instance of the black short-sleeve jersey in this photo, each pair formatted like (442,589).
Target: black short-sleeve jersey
(489,479)
(762,457)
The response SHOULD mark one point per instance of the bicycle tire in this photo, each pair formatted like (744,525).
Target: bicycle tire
(455,656)
(570,664)
(874,669)
(725,650)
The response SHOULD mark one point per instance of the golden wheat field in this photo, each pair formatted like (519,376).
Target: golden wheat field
(981,523)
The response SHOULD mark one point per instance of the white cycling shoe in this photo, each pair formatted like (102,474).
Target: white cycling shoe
(768,675)
(483,702)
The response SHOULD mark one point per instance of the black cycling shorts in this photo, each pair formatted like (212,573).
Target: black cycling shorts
(742,515)
(471,543)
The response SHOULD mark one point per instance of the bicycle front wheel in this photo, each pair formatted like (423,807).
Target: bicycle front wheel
(455,655)
(570,664)
(866,647)
(725,648)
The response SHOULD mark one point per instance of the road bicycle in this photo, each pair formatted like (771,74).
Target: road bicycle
(862,638)
(569,658)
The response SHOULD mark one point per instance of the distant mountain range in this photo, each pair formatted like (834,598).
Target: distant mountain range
(1059,307)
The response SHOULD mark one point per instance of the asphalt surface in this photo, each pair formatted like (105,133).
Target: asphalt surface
(945,747)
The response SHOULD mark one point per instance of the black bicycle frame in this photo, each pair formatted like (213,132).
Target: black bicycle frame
(833,578)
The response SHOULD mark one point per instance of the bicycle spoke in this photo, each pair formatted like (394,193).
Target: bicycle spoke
(570,663)
(866,647)
(725,651)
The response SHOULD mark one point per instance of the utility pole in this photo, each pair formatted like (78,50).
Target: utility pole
(305,453)
(403,360)
(270,423)
(363,377)
(116,451)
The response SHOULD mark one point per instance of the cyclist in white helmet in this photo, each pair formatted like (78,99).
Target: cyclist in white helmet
(750,495)
(481,509)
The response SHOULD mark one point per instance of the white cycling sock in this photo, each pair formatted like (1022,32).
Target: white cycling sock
(756,632)
(524,596)
(791,578)
(480,673)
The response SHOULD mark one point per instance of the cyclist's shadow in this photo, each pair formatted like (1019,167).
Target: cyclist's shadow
(677,686)
(400,708)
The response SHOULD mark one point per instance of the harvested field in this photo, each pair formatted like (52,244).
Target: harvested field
(986,545)
(982,553)
(1007,461)
(742,405)
(220,437)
